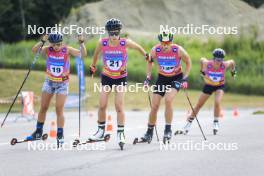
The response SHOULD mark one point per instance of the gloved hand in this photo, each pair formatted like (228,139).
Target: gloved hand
(147,81)
(202,73)
(92,69)
(234,73)
(184,83)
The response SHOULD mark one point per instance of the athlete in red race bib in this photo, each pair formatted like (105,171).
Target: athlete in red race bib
(113,50)
(57,80)
(171,78)
(213,72)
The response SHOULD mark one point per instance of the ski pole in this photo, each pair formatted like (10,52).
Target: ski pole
(155,127)
(194,113)
(24,81)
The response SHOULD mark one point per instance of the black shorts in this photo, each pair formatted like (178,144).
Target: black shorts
(163,82)
(208,89)
(107,81)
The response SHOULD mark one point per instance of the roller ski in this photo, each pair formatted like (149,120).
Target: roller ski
(167,136)
(185,129)
(216,127)
(36,136)
(147,138)
(97,137)
(121,139)
(106,138)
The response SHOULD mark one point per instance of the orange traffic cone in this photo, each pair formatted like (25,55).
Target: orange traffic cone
(53,132)
(235,112)
(109,123)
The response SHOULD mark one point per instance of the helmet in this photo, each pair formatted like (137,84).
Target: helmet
(165,36)
(219,53)
(55,37)
(113,24)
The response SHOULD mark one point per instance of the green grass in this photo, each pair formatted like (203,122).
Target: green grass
(246,51)
(12,79)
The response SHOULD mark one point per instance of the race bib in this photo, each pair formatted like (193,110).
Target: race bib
(215,77)
(114,64)
(167,69)
(167,65)
(56,70)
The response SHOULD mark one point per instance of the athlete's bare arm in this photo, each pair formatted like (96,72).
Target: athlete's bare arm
(76,52)
(96,53)
(150,64)
(187,60)
(133,45)
(203,63)
(230,64)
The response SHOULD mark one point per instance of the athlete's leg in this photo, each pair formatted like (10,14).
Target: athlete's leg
(156,98)
(169,97)
(119,104)
(103,101)
(44,105)
(60,101)
(217,108)
(217,105)
(201,101)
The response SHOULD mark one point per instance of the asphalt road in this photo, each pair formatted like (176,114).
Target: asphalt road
(238,149)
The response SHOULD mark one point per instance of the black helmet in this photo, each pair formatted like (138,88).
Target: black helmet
(113,24)
(55,37)
(219,53)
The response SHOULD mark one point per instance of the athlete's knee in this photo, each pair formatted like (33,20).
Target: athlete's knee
(217,103)
(168,101)
(154,108)
(59,111)
(102,107)
(119,108)
(43,109)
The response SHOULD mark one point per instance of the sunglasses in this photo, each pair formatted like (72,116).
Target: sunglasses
(166,43)
(56,44)
(114,33)
(218,59)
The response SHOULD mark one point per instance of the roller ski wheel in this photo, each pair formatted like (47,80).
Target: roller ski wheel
(121,145)
(15,141)
(167,137)
(60,142)
(166,140)
(179,132)
(215,131)
(141,140)
(75,142)
(78,142)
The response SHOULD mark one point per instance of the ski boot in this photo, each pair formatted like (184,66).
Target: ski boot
(37,134)
(216,127)
(60,141)
(121,139)
(167,136)
(99,135)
